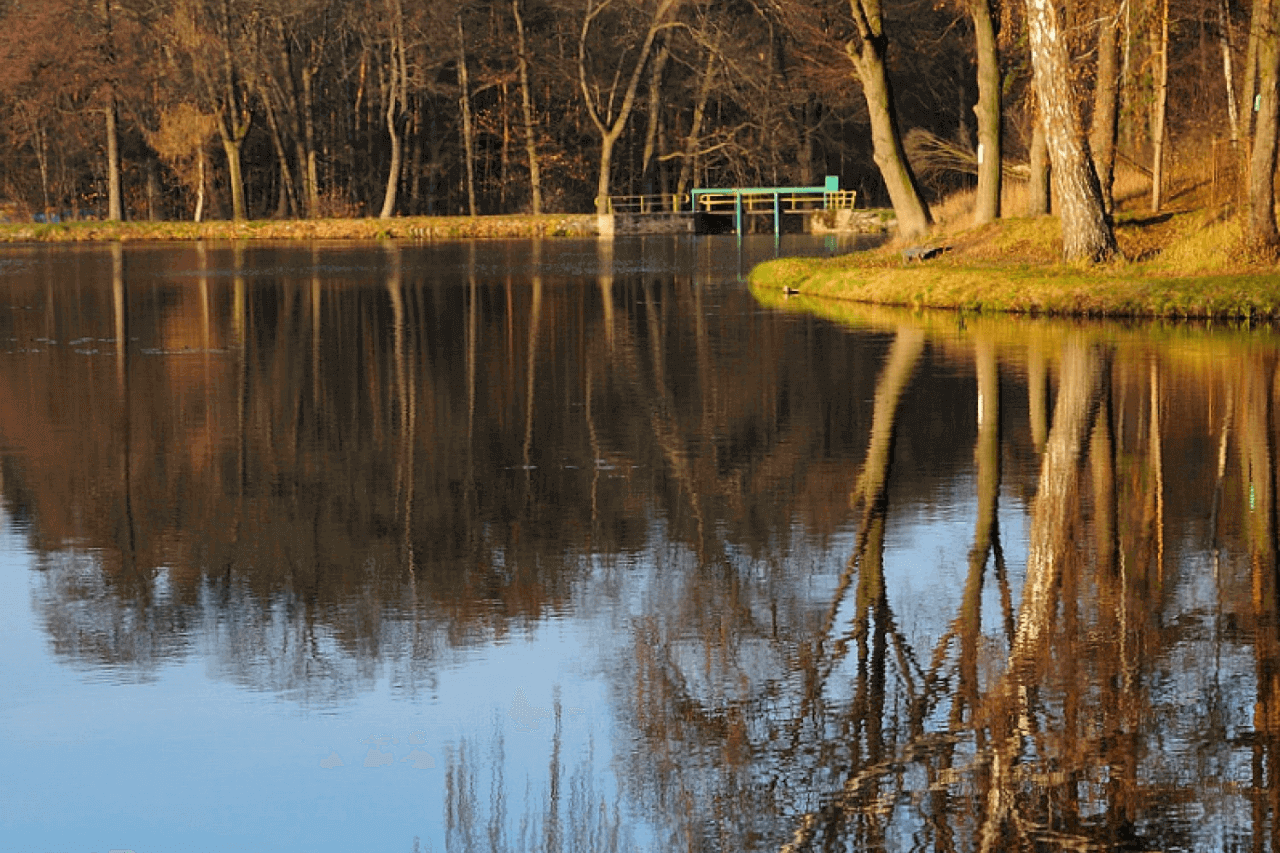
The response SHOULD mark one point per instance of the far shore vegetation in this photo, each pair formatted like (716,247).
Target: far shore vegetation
(1192,259)
(413,228)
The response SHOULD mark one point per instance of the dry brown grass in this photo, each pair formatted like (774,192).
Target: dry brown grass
(416,228)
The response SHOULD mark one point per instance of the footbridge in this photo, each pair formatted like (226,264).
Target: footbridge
(735,204)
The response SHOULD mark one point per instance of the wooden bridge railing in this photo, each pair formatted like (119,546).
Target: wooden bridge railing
(645,204)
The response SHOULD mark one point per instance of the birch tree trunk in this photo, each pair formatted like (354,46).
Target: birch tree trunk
(1228,75)
(867,53)
(987,112)
(1086,229)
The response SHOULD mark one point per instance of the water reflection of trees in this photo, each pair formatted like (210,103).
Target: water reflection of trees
(1108,709)
(320,476)
(245,444)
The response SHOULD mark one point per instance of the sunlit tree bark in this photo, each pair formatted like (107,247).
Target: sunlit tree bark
(1106,101)
(868,54)
(1262,165)
(1038,201)
(1086,229)
(1159,132)
(988,112)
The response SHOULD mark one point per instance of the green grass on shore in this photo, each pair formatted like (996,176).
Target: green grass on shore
(1190,264)
(418,227)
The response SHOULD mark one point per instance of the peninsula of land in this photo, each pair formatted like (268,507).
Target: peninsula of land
(1175,265)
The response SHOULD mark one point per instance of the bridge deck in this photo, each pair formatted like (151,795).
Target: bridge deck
(740,202)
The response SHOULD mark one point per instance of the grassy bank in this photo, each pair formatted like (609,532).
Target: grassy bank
(1189,264)
(413,228)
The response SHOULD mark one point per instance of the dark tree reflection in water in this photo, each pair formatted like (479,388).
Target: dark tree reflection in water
(872,580)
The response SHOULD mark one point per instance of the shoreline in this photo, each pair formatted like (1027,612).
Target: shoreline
(400,228)
(1189,265)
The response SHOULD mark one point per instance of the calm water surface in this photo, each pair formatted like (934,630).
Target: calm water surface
(577,547)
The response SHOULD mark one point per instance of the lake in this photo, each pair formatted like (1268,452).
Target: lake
(575,546)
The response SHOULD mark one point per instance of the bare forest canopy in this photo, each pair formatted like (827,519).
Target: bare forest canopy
(310,108)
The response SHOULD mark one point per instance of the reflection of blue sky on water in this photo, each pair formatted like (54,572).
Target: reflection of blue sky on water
(185,761)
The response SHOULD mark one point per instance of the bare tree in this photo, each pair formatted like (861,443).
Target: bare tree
(867,53)
(607,105)
(526,110)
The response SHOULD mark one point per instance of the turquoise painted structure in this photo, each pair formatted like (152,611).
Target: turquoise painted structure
(777,199)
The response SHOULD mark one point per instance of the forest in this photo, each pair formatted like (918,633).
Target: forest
(178,109)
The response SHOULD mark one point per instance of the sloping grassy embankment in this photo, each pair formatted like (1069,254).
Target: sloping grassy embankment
(1178,265)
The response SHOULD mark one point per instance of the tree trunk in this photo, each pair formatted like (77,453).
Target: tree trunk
(690,156)
(288,196)
(655,110)
(1262,167)
(1038,200)
(1162,102)
(199,213)
(602,177)
(464,106)
(526,106)
(1106,102)
(231,147)
(610,124)
(398,73)
(1086,229)
(309,142)
(868,57)
(987,111)
(1258,21)
(115,204)
(234,117)
(1228,75)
